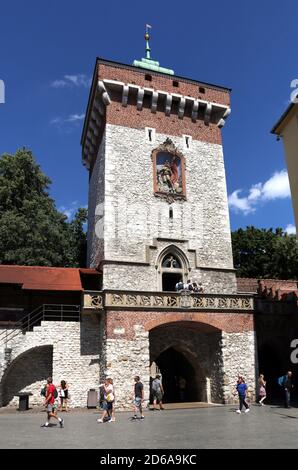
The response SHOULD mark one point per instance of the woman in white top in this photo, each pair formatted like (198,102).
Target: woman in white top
(109,399)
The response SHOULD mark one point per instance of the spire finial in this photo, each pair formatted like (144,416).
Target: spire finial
(147,37)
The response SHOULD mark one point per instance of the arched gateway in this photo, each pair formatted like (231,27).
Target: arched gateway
(188,356)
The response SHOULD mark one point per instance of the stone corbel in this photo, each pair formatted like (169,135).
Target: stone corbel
(207,115)
(140,99)
(154,102)
(195,108)
(102,89)
(168,104)
(222,121)
(181,107)
(125,92)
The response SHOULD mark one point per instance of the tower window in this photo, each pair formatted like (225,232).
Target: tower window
(175,83)
(148,77)
(202,90)
(150,134)
(187,141)
(171,212)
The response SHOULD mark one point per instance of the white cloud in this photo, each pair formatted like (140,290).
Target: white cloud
(277,187)
(70,210)
(290,229)
(72,80)
(67,124)
(240,204)
(75,117)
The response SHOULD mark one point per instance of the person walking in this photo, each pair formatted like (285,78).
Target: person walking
(51,394)
(138,398)
(108,414)
(63,395)
(288,385)
(262,389)
(242,389)
(158,392)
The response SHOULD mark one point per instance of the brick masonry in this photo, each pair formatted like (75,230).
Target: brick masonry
(220,346)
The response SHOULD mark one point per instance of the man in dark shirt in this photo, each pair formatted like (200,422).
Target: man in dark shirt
(139,397)
(288,385)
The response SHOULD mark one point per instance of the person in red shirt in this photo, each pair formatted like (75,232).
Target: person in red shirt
(50,404)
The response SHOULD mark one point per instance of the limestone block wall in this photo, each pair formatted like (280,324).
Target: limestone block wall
(134,217)
(63,350)
(95,245)
(124,360)
(239,358)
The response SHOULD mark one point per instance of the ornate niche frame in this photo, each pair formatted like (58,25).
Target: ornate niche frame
(168,172)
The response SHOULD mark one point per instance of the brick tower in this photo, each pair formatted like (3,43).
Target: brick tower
(158,213)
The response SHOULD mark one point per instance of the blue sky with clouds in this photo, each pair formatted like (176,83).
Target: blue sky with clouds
(47,56)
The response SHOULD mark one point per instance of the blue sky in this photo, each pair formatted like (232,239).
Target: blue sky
(47,56)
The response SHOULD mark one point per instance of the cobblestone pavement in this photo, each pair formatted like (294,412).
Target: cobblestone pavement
(266,427)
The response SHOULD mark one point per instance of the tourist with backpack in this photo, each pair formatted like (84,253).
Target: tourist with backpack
(51,395)
(157,392)
(286,382)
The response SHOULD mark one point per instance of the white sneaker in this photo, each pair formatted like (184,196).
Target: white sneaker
(238,411)
(99,420)
(247,410)
(112,420)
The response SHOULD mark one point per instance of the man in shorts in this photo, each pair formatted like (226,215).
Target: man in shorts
(157,392)
(50,404)
(139,397)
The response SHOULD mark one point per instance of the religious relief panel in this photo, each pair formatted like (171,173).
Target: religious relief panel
(169,172)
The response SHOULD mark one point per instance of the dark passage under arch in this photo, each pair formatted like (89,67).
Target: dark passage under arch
(178,377)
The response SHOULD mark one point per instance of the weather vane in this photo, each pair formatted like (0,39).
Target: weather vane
(147,37)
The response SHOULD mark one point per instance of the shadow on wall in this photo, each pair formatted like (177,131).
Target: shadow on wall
(91,334)
(27,371)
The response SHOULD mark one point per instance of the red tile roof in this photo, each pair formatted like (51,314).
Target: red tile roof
(44,278)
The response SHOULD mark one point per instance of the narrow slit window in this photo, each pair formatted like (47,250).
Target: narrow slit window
(150,135)
(171,213)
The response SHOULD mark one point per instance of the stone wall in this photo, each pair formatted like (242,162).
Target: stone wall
(219,346)
(124,360)
(95,246)
(64,350)
(239,352)
(135,220)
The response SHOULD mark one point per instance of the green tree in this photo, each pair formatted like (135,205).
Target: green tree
(32,230)
(78,238)
(264,253)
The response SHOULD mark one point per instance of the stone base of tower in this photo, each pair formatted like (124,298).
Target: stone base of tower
(207,350)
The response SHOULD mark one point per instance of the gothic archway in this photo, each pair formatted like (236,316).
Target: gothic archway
(172,266)
(28,371)
(188,355)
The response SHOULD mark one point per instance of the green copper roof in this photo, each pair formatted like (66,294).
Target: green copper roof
(149,63)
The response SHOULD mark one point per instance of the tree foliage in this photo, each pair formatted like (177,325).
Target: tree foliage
(264,253)
(32,230)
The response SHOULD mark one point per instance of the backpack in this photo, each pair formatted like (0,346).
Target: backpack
(55,393)
(155,385)
(43,391)
(281,380)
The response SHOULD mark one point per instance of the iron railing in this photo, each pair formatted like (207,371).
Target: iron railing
(48,312)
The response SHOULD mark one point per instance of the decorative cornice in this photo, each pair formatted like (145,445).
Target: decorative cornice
(133,300)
